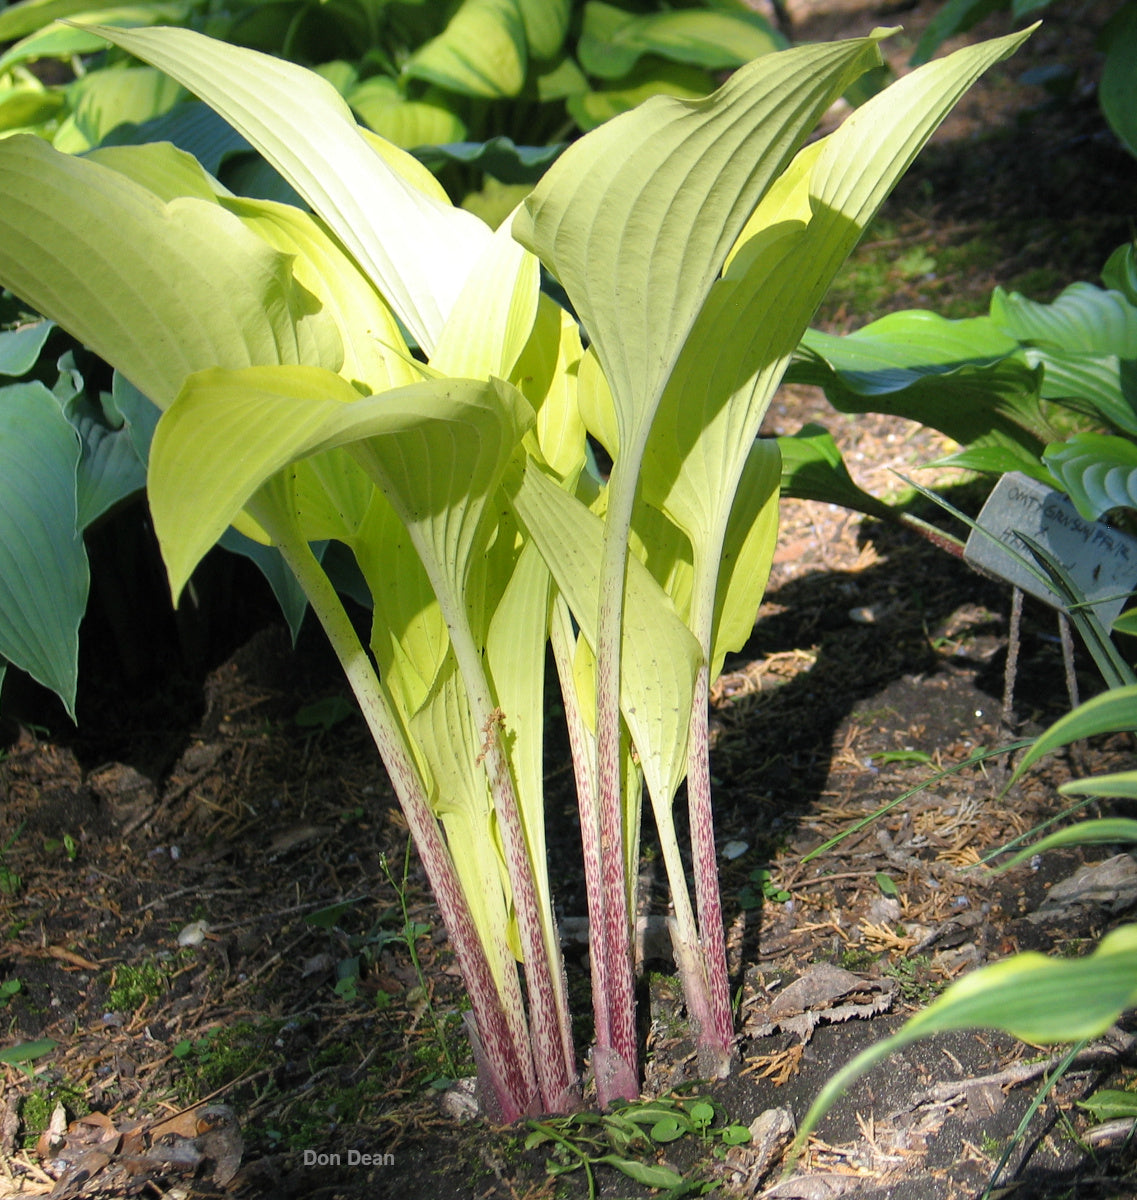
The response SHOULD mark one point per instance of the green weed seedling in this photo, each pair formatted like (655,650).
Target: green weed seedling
(625,1136)
(66,845)
(8,989)
(761,888)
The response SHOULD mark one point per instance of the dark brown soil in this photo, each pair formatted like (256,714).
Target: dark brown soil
(201,787)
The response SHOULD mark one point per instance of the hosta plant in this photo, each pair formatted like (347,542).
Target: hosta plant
(385,372)
(1048,389)
(439,74)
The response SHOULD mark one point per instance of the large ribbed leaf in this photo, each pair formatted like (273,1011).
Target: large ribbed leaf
(777,272)
(481,52)
(955,376)
(158,290)
(613,40)
(416,249)
(198,484)
(636,219)
(1117,91)
(1098,471)
(43,564)
(1084,318)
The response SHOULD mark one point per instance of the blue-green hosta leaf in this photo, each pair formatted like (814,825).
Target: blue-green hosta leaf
(636,220)
(481,52)
(157,290)
(191,126)
(498,157)
(288,592)
(1097,470)
(1117,91)
(813,469)
(138,413)
(1084,319)
(109,469)
(20,347)
(1031,997)
(972,399)
(613,40)
(382,106)
(416,248)
(103,100)
(1101,382)
(904,348)
(1114,711)
(43,564)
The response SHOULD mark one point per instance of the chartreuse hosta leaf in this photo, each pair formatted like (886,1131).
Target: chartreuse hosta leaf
(802,230)
(280,415)
(636,219)
(492,318)
(613,40)
(63,41)
(103,100)
(157,289)
(436,450)
(546,373)
(546,23)
(1031,997)
(481,52)
(380,104)
(301,125)
(43,566)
